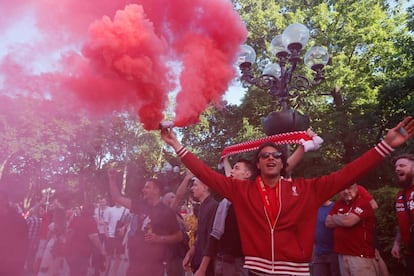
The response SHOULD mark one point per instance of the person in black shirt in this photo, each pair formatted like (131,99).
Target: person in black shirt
(197,258)
(157,228)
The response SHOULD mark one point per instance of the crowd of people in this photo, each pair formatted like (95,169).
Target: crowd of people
(277,215)
(266,223)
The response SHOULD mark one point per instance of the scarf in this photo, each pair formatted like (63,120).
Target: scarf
(296,137)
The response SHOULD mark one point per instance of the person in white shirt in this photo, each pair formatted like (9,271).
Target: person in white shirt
(115,246)
(100,214)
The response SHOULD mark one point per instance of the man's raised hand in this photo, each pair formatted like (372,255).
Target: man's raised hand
(401,133)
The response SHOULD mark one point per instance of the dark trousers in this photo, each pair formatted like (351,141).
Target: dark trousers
(78,265)
(325,265)
(175,267)
(409,259)
(229,266)
(97,258)
(139,267)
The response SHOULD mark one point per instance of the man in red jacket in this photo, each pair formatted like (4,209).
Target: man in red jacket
(277,216)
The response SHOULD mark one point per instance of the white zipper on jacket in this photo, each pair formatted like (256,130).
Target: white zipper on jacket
(272,227)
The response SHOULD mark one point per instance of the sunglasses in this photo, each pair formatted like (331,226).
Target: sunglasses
(275,155)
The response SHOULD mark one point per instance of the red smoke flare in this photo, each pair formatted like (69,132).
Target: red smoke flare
(126,51)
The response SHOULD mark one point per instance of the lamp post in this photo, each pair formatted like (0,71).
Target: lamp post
(48,192)
(280,78)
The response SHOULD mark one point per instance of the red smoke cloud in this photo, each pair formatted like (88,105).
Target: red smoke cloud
(117,54)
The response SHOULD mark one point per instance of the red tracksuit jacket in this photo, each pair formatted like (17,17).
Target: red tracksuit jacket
(286,246)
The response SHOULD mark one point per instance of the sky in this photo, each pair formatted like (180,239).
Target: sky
(104,54)
(22,32)
(235,93)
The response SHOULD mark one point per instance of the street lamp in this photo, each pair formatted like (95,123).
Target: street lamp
(48,192)
(279,78)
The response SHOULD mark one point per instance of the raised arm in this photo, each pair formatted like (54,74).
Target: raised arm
(223,185)
(179,194)
(168,135)
(297,155)
(295,158)
(115,193)
(227,166)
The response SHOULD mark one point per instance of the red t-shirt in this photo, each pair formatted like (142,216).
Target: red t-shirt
(356,240)
(78,237)
(402,217)
(362,192)
(274,202)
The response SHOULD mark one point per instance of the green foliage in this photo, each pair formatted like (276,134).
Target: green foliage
(396,99)
(216,130)
(364,41)
(43,144)
(386,222)
(368,86)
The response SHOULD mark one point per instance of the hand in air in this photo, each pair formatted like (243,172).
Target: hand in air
(401,133)
(313,144)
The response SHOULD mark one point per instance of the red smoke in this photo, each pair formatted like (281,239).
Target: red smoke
(117,54)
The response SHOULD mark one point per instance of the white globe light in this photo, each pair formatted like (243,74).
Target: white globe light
(246,54)
(277,46)
(295,33)
(317,55)
(272,69)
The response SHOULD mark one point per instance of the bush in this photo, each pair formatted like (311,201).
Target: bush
(386,221)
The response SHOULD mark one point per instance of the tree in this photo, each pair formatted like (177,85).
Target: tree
(367,88)
(46,145)
(31,144)
(363,41)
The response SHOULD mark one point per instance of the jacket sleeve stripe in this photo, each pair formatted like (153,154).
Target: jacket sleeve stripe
(181,152)
(383,148)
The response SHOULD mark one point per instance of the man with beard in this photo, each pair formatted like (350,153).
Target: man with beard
(404,168)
